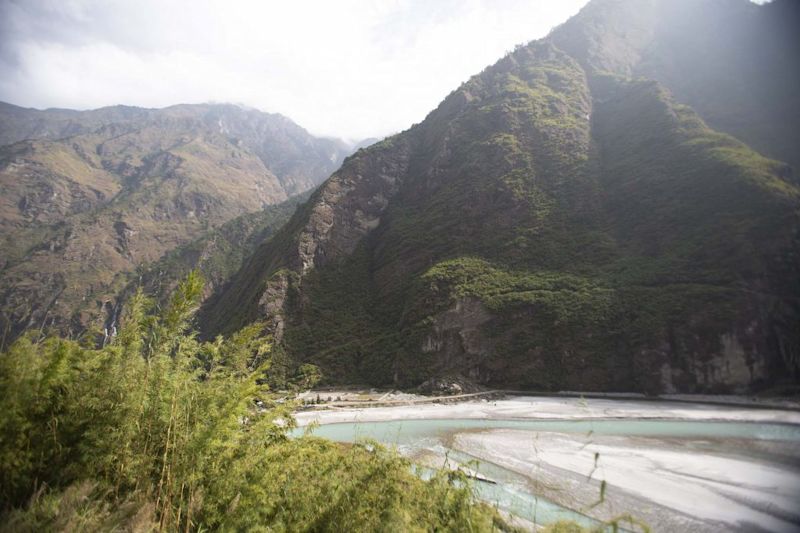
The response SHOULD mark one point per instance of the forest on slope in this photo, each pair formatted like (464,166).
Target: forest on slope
(586,214)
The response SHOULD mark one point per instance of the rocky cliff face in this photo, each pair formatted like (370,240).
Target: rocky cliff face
(558,222)
(89,200)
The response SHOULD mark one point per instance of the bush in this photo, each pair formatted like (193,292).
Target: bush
(158,430)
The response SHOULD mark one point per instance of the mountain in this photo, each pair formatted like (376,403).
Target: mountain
(612,207)
(734,62)
(217,254)
(90,198)
(365,143)
(299,160)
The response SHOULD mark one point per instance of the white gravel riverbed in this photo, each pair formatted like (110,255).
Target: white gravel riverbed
(688,481)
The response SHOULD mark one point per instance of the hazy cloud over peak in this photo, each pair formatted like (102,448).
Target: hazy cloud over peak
(350,68)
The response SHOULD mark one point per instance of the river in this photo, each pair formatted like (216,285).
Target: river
(674,466)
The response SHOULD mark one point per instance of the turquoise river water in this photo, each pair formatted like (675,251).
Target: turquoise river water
(512,492)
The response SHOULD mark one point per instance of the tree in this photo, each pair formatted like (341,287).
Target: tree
(308,376)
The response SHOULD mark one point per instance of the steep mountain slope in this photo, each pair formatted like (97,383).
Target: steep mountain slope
(80,214)
(558,222)
(732,61)
(217,254)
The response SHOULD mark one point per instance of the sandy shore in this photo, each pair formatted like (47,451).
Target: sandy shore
(661,482)
(673,484)
(525,407)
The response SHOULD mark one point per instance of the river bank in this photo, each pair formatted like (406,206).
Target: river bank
(359,397)
(535,407)
(677,466)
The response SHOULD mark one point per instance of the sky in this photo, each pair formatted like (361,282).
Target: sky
(346,68)
(343,68)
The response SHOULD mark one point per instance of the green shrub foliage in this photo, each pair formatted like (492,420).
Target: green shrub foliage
(160,431)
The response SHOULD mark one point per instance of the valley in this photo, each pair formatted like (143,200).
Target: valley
(545,277)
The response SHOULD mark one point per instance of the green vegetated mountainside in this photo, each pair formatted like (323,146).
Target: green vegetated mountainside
(217,254)
(566,219)
(96,197)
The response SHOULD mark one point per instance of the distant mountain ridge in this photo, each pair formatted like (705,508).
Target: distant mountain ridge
(299,159)
(569,218)
(89,197)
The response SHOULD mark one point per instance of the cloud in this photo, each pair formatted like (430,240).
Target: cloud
(350,68)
